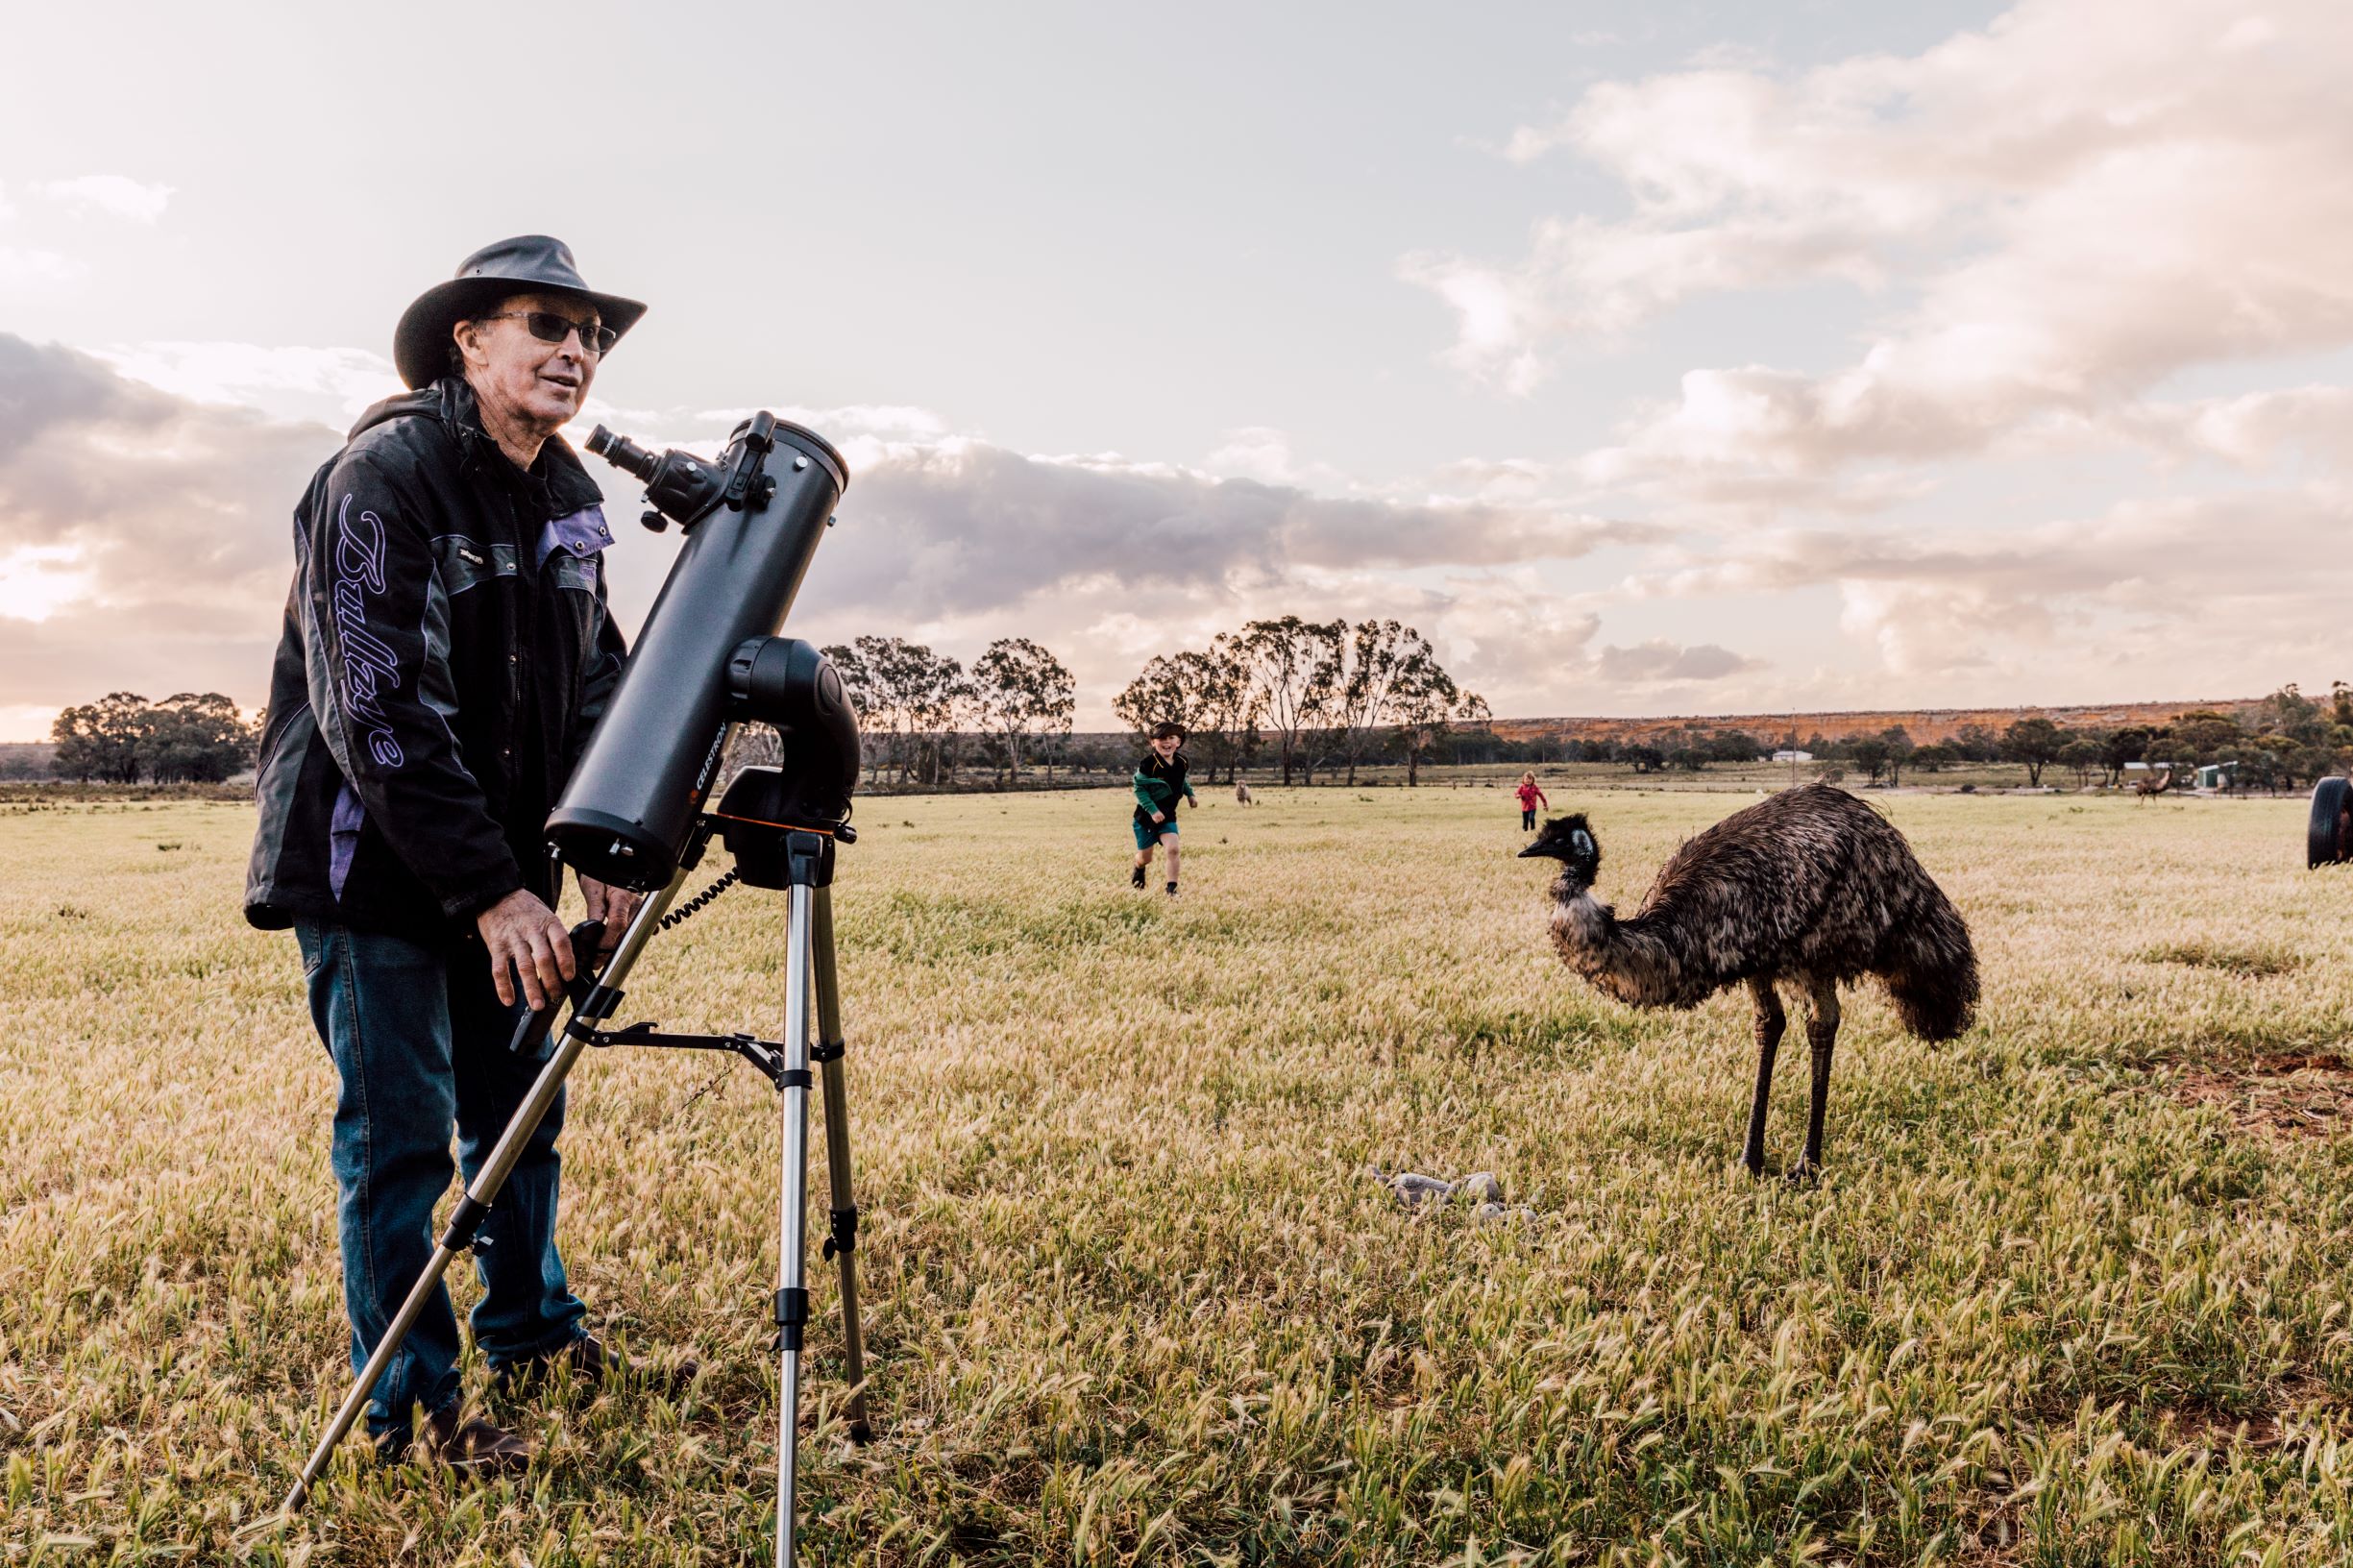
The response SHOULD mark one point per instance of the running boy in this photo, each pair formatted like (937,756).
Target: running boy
(1531,797)
(1160,778)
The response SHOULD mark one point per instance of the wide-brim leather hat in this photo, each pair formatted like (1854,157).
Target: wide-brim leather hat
(527,264)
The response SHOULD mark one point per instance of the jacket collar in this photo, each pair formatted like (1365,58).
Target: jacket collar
(557,484)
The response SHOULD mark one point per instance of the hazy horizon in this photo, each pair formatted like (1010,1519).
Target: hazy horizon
(1717,363)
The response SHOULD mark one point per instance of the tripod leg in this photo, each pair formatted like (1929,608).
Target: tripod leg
(468,1216)
(842,1238)
(792,1200)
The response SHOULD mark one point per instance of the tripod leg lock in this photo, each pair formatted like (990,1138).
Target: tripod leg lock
(791,1316)
(843,1237)
(824,1051)
(464,1221)
(592,1010)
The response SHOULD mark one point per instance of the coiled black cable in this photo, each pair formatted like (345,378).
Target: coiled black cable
(695,906)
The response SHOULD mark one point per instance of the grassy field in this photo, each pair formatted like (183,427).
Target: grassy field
(2074,1291)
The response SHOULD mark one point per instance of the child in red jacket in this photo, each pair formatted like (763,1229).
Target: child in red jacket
(1531,797)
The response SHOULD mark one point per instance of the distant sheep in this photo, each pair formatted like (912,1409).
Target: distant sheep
(1241,794)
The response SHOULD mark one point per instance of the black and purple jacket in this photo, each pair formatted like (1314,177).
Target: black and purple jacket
(446,650)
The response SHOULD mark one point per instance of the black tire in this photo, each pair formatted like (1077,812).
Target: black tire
(2330,838)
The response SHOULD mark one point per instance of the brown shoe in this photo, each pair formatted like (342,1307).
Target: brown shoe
(474,1448)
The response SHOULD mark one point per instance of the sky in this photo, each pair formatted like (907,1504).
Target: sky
(1723,358)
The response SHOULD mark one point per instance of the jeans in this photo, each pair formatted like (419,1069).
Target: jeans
(1528,819)
(419,1038)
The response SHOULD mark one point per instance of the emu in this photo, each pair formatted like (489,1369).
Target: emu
(1241,793)
(1808,889)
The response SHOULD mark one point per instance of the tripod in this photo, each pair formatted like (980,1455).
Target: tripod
(769,853)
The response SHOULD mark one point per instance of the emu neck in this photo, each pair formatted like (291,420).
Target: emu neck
(1579,919)
(1630,964)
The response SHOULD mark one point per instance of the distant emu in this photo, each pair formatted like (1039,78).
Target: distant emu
(1806,888)
(1241,793)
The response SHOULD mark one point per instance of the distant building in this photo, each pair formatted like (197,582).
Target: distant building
(1793,756)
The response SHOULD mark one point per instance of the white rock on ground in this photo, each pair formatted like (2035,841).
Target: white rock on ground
(1414,1190)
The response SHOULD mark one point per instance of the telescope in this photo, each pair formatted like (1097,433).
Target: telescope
(752,522)
(634,814)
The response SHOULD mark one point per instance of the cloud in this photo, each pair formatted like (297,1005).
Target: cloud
(2146,597)
(115,195)
(35,579)
(2058,212)
(1263,453)
(143,538)
(962,525)
(328,383)
(1658,660)
(1110,560)
(2252,432)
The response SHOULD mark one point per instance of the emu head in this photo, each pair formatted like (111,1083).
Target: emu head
(1569,840)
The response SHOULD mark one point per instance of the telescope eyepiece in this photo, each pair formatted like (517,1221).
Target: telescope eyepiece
(679,484)
(623,454)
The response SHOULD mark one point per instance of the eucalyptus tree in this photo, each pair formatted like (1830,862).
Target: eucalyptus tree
(913,699)
(1294,664)
(1020,690)
(1369,659)
(1213,693)
(1160,694)
(1427,704)
(1229,703)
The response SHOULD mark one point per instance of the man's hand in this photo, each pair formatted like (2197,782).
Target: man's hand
(524,934)
(612,905)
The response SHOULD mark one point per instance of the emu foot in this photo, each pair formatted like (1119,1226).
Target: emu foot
(1804,1173)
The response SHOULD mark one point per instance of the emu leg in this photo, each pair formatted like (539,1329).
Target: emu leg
(1822,1034)
(1769,1021)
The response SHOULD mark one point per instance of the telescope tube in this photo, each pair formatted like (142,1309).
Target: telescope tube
(630,804)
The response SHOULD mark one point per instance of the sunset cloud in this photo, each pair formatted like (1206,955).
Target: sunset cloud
(2054,213)
(2120,599)
(142,530)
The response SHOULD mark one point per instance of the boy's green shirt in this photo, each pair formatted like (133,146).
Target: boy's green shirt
(1157,784)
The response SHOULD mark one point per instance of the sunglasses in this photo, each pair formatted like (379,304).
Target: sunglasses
(551,327)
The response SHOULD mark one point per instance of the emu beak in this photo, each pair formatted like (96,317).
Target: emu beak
(1533,849)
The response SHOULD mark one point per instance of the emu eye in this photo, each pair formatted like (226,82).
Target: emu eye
(1584,842)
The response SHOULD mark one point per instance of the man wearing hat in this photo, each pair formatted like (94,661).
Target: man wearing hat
(446,650)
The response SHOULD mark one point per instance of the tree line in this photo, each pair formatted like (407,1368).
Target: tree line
(921,713)
(1319,694)
(2287,740)
(190,738)
(1325,695)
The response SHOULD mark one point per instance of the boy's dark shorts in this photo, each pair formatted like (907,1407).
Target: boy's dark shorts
(1148,832)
